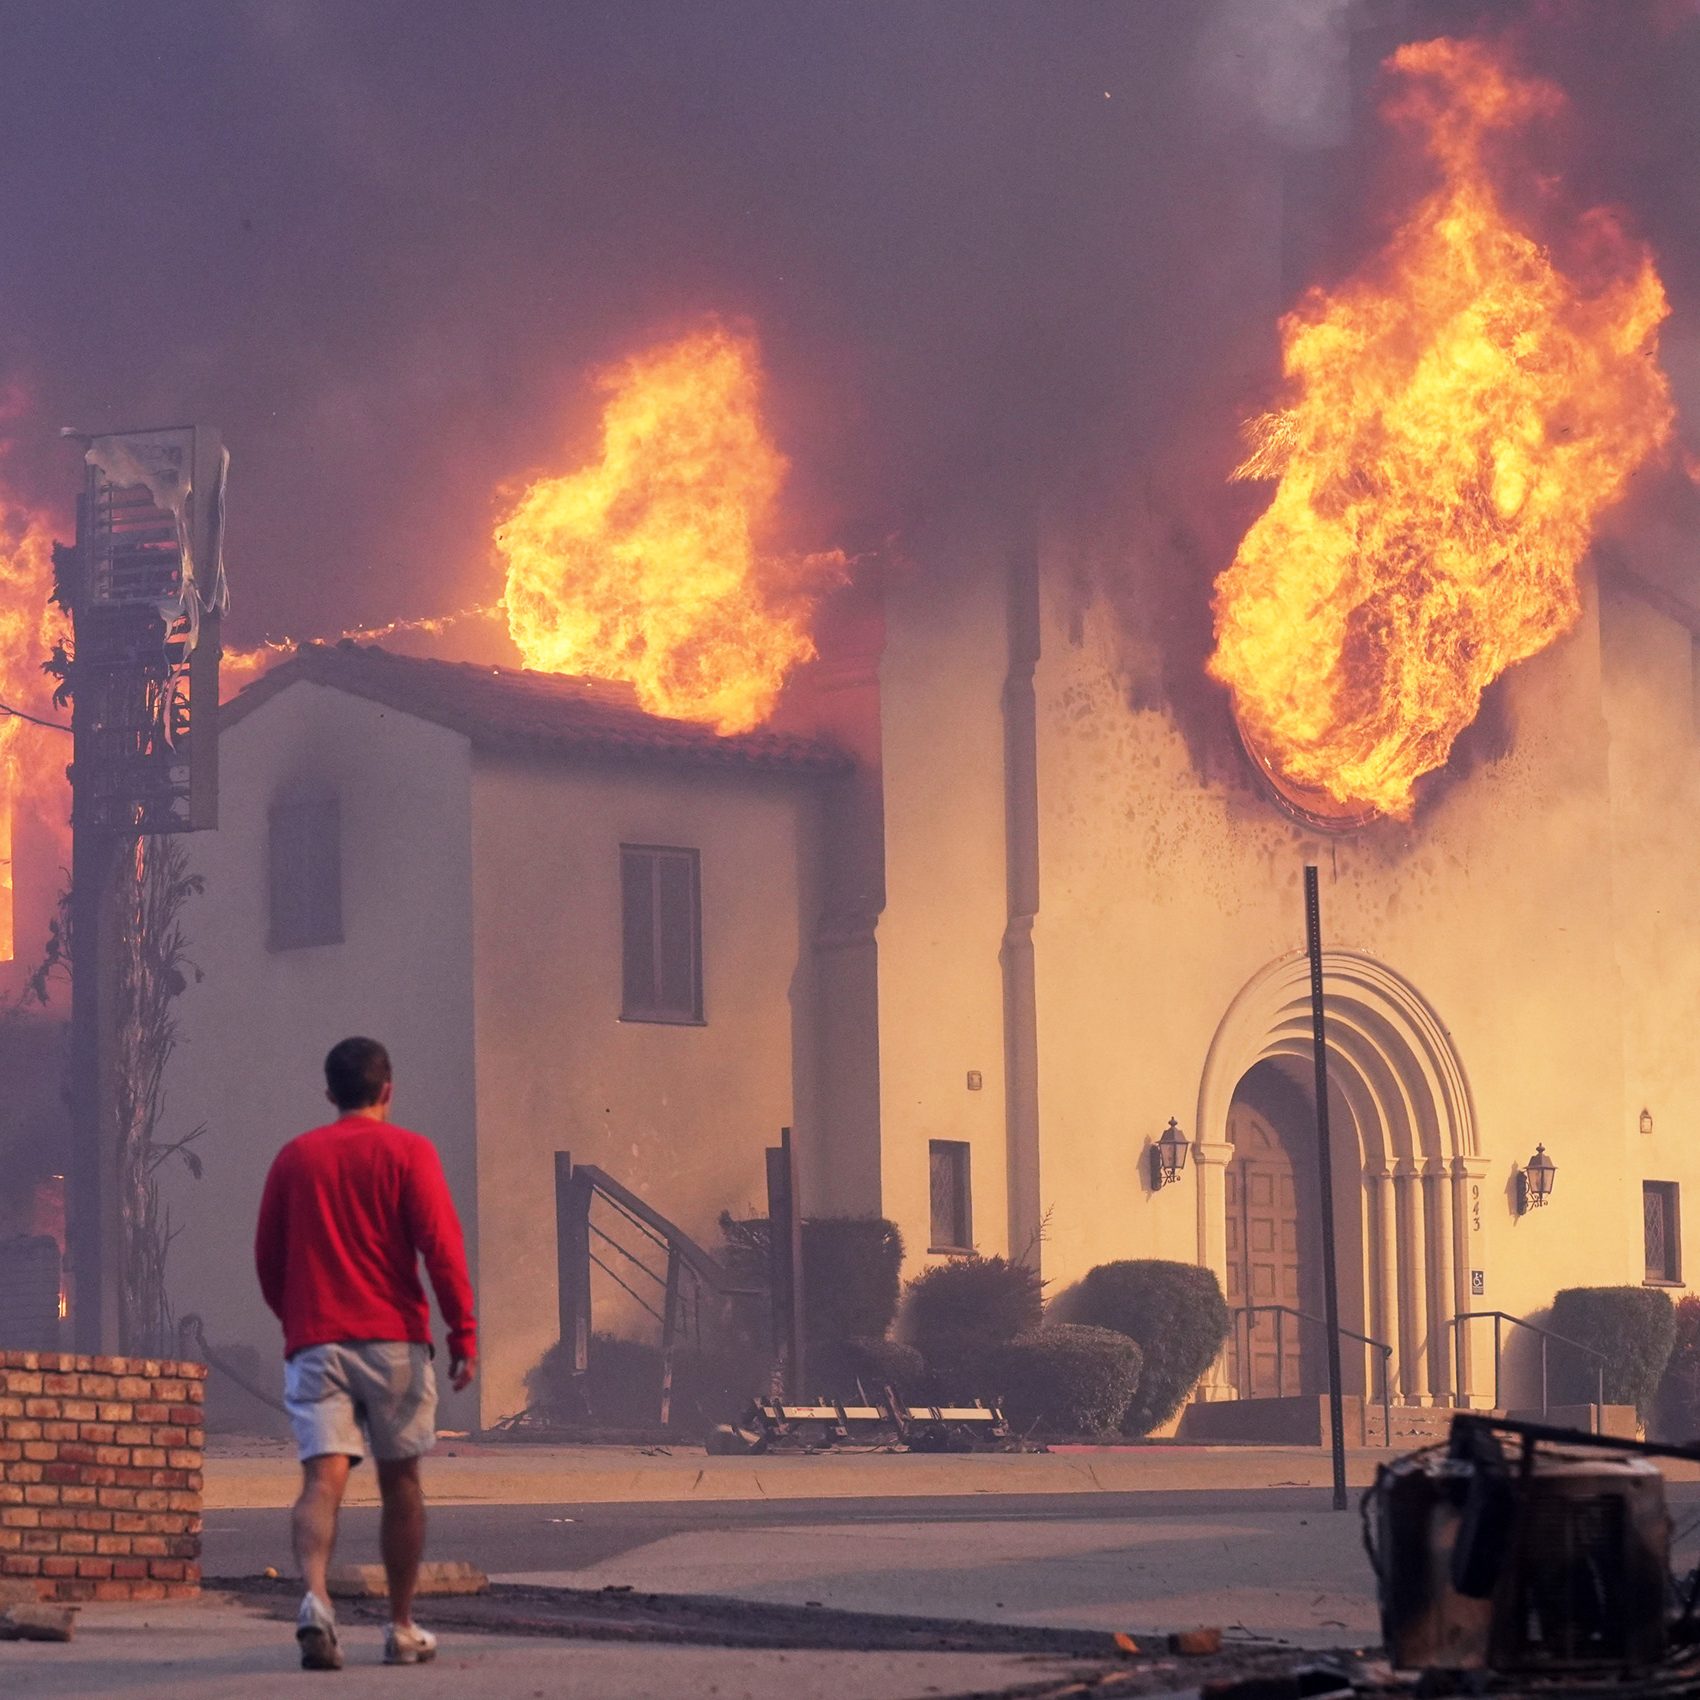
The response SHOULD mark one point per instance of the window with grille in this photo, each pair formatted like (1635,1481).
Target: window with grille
(1661,1216)
(952,1207)
(661,927)
(305,875)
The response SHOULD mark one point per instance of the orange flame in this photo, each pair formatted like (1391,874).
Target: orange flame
(239,667)
(652,565)
(32,758)
(1460,414)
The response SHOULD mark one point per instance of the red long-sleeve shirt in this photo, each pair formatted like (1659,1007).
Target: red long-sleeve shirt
(347,1212)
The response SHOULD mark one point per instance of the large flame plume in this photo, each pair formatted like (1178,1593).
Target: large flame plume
(32,758)
(655,564)
(1459,415)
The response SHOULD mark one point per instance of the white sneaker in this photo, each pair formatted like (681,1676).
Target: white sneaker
(408,1644)
(315,1631)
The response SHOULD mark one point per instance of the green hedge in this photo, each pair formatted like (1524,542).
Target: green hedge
(621,1387)
(1174,1313)
(960,1312)
(1632,1327)
(851,1270)
(851,1267)
(1677,1417)
(836,1367)
(1066,1379)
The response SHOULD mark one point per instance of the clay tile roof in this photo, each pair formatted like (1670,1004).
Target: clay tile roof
(515,712)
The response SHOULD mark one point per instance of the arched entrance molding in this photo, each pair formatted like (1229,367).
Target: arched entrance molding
(1393,1065)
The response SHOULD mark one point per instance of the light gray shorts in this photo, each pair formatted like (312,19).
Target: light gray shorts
(385,1387)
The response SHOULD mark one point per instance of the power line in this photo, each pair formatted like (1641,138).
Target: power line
(6,710)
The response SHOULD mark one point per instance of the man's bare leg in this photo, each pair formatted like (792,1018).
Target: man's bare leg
(313,1521)
(402,1532)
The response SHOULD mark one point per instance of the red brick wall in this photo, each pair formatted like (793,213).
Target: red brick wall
(100,1475)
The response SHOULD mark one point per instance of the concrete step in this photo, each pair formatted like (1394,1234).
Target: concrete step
(1302,1420)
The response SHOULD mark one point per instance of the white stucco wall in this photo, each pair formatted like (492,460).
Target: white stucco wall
(256,1029)
(1651,707)
(681,1114)
(940,982)
(1541,903)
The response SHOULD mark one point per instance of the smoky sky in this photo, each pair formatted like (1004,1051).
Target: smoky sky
(380,242)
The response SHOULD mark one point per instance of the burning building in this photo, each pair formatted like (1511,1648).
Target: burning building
(1009,879)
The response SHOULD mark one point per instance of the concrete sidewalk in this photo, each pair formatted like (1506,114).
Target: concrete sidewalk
(264,1474)
(214,1648)
(1297,1578)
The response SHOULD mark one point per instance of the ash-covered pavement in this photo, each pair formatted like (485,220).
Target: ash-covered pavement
(219,1647)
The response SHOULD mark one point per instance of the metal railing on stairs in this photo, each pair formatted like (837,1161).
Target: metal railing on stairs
(583,1243)
(1499,1319)
(1251,1313)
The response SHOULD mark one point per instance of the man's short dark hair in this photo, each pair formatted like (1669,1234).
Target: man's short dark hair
(357,1071)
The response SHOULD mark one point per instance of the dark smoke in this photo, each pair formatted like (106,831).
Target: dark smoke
(987,245)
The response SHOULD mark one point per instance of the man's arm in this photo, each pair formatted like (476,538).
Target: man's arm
(270,1241)
(435,1228)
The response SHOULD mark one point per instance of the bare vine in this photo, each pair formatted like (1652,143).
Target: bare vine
(153,971)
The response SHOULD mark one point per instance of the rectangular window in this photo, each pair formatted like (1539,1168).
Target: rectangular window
(305,855)
(1662,1230)
(952,1209)
(661,933)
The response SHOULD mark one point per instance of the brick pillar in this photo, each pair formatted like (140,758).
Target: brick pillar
(100,1475)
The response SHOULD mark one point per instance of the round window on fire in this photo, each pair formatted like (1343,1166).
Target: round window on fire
(1312,805)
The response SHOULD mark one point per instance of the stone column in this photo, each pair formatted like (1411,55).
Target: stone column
(1383,1265)
(1443,1263)
(1210,1161)
(1413,1284)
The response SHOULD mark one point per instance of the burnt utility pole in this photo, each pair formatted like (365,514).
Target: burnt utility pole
(144,586)
(1325,1179)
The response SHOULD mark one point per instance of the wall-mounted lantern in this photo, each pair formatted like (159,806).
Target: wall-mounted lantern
(1168,1155)
(1646,1121)
(1534,1183)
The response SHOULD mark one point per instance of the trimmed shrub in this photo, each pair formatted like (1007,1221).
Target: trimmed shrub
(850,1274)
(1678,1406)
(961,1311)
(850,1277)
(836,1367)
(622,1385)
(1065,1378)
(1633,1328)
(1174,1313)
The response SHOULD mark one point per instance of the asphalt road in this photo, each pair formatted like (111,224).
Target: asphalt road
(502,1539)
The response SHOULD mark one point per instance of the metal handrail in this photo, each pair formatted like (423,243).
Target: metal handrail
(704,1265)
(1251,1314)
(1503,1316)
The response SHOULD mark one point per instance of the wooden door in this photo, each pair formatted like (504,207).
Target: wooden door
(1265,1257)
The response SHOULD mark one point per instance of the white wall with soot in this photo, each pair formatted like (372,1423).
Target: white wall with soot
(942,678)
(681,1114)
(257,1025)
(1540,900)
(1651,707)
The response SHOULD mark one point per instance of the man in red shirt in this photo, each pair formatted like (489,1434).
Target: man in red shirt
(347,1213)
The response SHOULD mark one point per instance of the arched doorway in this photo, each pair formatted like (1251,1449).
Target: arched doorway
(1273,1234)
(1407,1170)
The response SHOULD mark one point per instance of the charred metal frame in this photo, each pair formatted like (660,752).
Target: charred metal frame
(144,723)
